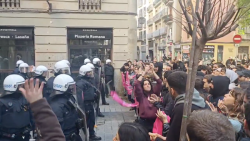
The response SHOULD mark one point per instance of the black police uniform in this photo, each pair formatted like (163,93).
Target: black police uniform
(24,75)
(15,118)
(46,92)
(15,71)
(88,96)
(67,115)
(109,75)
(98,74)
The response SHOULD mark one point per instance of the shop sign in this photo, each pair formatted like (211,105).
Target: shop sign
(16,33)
(86,33)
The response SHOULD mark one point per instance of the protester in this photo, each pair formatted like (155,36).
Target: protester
(131,132)
(177,87)
(205,125)
(144,89)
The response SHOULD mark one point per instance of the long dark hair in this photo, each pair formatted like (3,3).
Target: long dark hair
(133,132)
(144,92)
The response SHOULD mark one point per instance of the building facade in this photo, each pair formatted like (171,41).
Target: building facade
(142,17)
(164,32)
(44,32)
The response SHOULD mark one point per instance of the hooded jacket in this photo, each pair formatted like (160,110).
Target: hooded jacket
(221,85)
(232,76)
(177,114)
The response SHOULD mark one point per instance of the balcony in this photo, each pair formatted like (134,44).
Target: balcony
(163,31)
(156,3)
(89,5)
(150,35)
(168,19)
(156,33)
(168,2)
(157,16)
(150,8)
(150,21)
(9,4)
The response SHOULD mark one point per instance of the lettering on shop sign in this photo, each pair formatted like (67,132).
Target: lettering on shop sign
(14,37)
(7,29)
(89,37)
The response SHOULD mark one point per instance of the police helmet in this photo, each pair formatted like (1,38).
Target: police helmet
(67,62)
(62,68)
(24,68)
(91,65)
(84,70)
(96,61)
(87,61)
(63,83)
(108,61)
(12,83)
(19,62)
(41,71)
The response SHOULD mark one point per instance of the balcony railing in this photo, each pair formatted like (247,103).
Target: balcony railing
(157,16)
(163,30)
(90,5)
(156,2)
(150,21)
(156,33)
(150,8)
(168,2)
(150,35)
(168,19)
(9,4)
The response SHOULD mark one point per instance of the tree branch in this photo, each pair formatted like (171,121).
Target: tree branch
(202,27)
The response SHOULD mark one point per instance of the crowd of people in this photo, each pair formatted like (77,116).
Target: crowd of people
(220,103)
(56,109)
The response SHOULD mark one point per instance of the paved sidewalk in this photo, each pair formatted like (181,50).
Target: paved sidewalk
(115,114)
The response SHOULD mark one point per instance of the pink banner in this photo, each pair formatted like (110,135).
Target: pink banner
(121,102)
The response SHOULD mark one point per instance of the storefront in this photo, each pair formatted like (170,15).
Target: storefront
(16,43)
(185,52)
(88,43)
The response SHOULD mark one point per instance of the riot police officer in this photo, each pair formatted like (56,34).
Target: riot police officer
(24,70)
(40,73)
(12,106)
(99,74)
(16,70)
(86,84)
(97,91)
(62,103)
(86,61)
(109,74)
(59,68)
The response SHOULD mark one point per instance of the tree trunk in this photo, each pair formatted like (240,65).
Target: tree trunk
(196,52)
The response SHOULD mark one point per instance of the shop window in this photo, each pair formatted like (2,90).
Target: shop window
(9,3)
(208,55)
(220,54)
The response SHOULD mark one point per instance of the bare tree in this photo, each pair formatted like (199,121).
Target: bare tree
(204,20)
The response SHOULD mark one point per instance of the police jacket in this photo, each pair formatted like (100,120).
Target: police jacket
(46,91)
(66,113)
(15,71)
(109,70)
(86,84)
(15,115)
(24,75)
(50,84)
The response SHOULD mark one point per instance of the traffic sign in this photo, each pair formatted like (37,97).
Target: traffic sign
(142,20)
(237,39)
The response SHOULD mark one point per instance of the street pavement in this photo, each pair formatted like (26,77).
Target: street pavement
(115,114)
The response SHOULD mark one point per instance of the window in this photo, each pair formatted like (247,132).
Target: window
(220,54)
(90,5)
(9,3)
